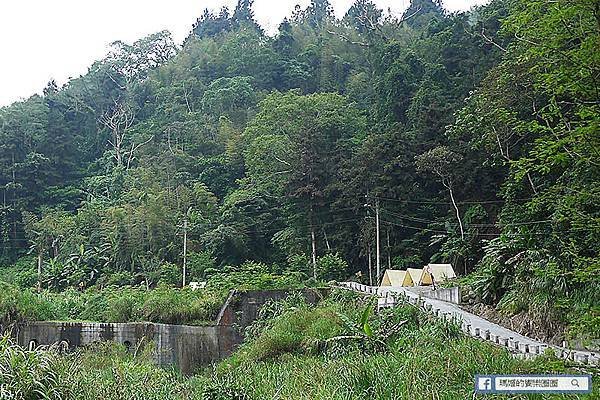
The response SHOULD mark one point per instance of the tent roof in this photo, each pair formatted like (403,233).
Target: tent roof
(441,272)
(415,275)
(393,277)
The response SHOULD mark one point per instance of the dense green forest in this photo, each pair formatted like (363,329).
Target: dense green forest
(475,135)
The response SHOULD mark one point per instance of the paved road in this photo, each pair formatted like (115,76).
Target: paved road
(473,324)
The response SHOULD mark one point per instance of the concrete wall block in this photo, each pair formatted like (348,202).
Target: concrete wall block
(582,358)
(451,295)
(467,329)
(524,347)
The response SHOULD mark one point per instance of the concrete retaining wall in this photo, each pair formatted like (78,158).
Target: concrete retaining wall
(187,347)
(450,295)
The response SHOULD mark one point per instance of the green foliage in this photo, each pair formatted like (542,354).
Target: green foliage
(331,267)
(31,374)
(283,356)
(282,359)
(229,97)
(475,133)
(22,274)
(252,275)
(127,304)
(199,263)
(17,305)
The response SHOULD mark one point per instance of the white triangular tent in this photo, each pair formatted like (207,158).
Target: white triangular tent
(440,272)
(414,276)
(394,277)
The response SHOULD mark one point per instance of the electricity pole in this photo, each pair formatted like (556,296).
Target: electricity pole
(378,263)
(370,263)
(185,228)
(378,244)
(39,272)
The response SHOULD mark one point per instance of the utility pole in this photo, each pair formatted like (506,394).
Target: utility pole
(313,242)
(185,228)
(370,264)
(389,251)
(314,251)
(39,272)
(378,263)
(378,244)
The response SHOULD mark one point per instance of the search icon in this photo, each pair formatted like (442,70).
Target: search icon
(574,382)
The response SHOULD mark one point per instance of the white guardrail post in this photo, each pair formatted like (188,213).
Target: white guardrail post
(387,298)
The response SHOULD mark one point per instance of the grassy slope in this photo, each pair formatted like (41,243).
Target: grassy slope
(125,304)
(290,357)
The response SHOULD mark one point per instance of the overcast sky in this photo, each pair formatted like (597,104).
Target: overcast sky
(45,39)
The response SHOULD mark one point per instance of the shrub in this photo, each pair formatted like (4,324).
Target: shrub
(124,305)
(254,275)
(170,274)
(128,304)
(119,279)
(300,263)
(23,273)
(332,267)
(18,305)
(198,264)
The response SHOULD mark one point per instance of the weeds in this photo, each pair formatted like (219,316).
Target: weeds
(423,358)
(128,304)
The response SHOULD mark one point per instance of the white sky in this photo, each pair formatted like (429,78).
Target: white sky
(45,39)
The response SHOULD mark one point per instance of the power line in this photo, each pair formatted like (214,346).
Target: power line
(423,220)
(489,234)
(308,226)
(449,203)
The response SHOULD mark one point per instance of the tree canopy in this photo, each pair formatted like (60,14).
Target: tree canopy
(474,134)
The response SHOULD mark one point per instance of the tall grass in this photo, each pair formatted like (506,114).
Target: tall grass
(128,304)
(424,359)
(284,358)
(105,371)
(26,374)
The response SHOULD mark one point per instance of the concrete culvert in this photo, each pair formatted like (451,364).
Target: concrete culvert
(63,346)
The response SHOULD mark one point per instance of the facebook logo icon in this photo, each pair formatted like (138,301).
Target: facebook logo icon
(484,383)
(487,384)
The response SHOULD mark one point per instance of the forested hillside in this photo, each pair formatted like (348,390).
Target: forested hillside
(475,135)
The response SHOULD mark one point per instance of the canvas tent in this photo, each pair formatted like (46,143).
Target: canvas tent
(394,277)
(414,276)
(440,272)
